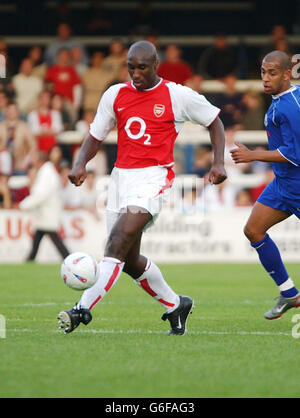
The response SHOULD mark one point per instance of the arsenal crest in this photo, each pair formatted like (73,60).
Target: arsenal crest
(158,110)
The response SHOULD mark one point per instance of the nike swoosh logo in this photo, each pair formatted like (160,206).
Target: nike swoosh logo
(120,108)
(271,272)
(179,323)
(282,307)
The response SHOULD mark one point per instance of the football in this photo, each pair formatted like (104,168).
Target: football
(79,271)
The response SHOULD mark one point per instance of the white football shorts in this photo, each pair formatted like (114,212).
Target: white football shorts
(146,188)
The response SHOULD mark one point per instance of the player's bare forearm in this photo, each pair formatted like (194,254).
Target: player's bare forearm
(88,150)
(217,137)
(242,154)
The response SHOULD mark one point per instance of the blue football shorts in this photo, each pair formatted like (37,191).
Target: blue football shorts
(273,198)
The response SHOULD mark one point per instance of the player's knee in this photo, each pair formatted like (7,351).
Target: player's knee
(253,233)
(249,232)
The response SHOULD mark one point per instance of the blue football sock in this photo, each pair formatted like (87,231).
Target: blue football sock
(270,258)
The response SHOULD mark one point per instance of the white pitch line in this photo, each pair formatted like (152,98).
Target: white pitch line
(149,332)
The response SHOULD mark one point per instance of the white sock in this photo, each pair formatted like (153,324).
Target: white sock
(154,284)
(110,270)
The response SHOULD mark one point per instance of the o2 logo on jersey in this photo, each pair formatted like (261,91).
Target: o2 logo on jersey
(141,132)
(158,110)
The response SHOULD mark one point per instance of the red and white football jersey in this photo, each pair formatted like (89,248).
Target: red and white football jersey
(149,121)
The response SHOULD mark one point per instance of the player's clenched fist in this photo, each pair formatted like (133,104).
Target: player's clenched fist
(217,174)
(241,154)
(77,175)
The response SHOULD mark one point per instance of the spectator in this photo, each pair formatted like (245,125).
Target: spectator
(45,206)
(218,60)
(10,68)
(279,41)
(65,81)
(45,123)
(27,87)
(70,194)
(64,41)
(153,39)
(3,104)
(35,54)
(116,58)
(56,156)
(95,80)
(173,68)
(195,83)
(122,77)
(57,104)
(98,164)
(230,101)
(89,194)
(252,117)
(77,61)
(16,137)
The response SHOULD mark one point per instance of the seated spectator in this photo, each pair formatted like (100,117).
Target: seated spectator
(253,114)
(98,164)
(279,41)
(56,156)
(230,101)
(83,125)
(195,83)
(3,104)
(77,61)
(27,87)
(94,81)
(218,60)
(45,123)
(16,137)
(89,193)
(122,77)
(173,68)
(64,80)
(70,194)
(57,104)
(115,59)
(64,41)
(35,54)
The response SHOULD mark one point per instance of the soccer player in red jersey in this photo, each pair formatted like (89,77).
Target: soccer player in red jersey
(149,113)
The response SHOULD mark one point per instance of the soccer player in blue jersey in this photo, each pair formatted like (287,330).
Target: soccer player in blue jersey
(281,198)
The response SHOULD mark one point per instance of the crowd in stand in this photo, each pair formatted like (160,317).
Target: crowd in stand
(58,89)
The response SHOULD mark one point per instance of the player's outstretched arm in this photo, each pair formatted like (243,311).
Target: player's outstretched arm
(88,150)
(242,154)
(217,173)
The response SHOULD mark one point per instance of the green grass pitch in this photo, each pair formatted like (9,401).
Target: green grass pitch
(229,351)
